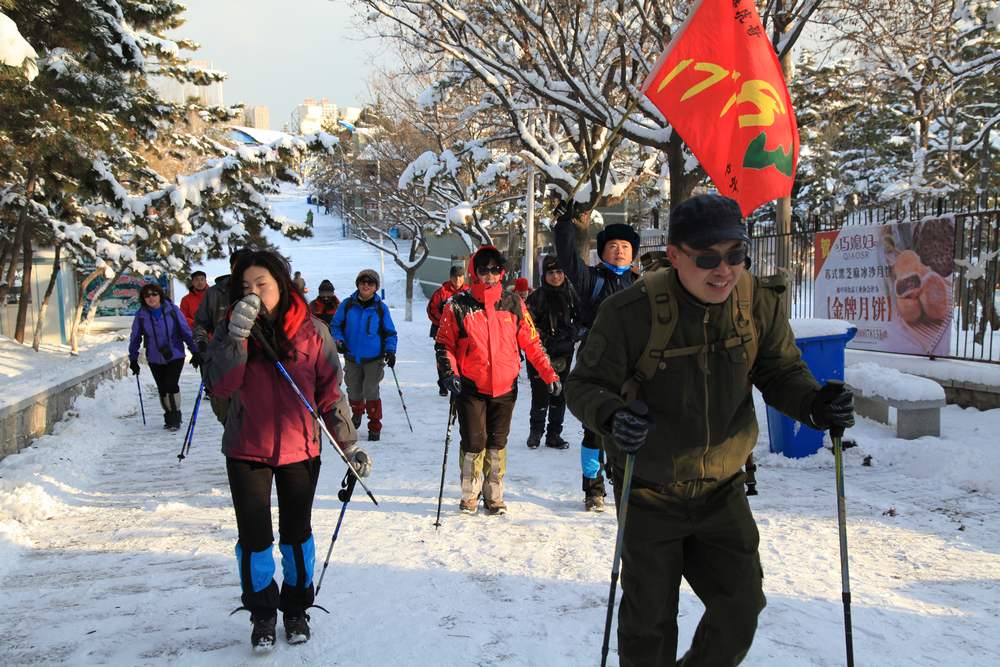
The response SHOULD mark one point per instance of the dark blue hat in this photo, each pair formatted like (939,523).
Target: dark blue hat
(617,232)
(703,221)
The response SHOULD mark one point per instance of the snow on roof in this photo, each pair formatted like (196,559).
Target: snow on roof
(14,50)
(263,137)
(874,380)
(807,327)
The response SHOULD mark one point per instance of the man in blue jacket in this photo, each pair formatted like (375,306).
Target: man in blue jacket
(617,246)
(367,338)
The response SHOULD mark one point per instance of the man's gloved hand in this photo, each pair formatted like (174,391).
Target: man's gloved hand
(555,388)
(341,347)
(452,383)
(390,359)
(195,359)
(629,429)
(833,406)
(202,346)
(565,210)
(359,459)
(243,316)
(133,365)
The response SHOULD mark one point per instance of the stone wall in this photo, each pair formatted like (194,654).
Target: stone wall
(22,422)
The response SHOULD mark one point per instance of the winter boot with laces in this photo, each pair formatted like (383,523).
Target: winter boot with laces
(262,637)
(296,627)
(555,441)
(534,439)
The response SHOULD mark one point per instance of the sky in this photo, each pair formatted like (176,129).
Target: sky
(279,53)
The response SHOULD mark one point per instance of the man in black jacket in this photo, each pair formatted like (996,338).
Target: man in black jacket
(555,307)
(617,246)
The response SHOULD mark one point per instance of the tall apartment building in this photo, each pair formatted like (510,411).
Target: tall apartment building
(257,117)
(171,90)
(312,115)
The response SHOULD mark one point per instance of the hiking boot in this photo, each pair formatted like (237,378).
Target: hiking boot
(373,436)
(496,509)
(262,637)
(469,506)
(534,439)
(442,391)
(555,442)
(594,503)
(296,627)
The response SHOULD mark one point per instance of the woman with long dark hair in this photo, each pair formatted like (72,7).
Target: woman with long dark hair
(160,326)
(269,435)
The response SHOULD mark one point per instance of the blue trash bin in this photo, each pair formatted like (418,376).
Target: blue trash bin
(824,355)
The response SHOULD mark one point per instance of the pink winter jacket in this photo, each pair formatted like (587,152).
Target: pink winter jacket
(267,421)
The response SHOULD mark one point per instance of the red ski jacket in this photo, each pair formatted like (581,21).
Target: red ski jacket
(190,303)
(480,335)
(435,307)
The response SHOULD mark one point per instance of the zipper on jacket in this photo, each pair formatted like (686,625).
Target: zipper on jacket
(704,374)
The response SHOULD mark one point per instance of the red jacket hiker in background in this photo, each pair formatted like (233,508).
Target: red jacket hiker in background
(435,307)
(191,300)
(325,305)
(478,343)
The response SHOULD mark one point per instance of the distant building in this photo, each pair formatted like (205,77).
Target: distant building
(257,117)
(177,92)
(312,116)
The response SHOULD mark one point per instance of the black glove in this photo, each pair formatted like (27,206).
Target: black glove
(202,346)
(341,347)
(629,429)
(833,407)
(555,388)
(452,383)
(133,364)
(565,210)
(390,359)
(195,359)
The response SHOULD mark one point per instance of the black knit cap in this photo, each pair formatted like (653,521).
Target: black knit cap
(703,221)
(326,288)
(550,263)
(617,232)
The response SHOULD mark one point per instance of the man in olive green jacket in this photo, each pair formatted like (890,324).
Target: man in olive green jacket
(724,332)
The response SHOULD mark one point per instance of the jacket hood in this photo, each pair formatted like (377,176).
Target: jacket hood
(480,291)
(223,281)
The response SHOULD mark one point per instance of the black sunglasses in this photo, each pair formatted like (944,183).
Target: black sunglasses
(367,281)
(707,262)
(495,270)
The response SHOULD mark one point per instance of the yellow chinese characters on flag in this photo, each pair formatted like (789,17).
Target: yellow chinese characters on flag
(719,84)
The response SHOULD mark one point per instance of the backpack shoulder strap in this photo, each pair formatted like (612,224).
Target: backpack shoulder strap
(663,320)
(598,288)
(742,305)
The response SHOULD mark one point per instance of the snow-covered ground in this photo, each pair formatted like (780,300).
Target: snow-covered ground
(113,553)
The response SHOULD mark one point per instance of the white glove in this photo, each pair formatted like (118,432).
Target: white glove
(359,459)
(243,316)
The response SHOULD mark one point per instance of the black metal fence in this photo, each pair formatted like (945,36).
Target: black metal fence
(976,322)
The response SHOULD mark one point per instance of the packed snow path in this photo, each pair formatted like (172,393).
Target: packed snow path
(112,552)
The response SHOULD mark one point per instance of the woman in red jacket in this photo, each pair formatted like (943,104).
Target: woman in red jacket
(270,435)
(478,345)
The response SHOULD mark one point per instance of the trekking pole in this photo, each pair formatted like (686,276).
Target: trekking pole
(639,408)
(836,433)
(405,412)
(269,352)
(751,468)
(189,436)
(452,413)
(345,493)
(141,406)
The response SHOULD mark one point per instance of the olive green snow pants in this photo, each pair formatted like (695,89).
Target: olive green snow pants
(712,542)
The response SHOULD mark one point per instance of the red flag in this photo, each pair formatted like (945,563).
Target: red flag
(719,84)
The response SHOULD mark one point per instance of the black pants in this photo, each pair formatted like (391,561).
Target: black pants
(484,421)
(543,402)
(167,376)
(250,485)
(712,542)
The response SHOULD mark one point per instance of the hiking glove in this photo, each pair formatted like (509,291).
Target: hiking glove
(390,359)
(243,316)
(629,430)
(341,347)
(133,365)
(833,406)
(195,359)
(359,459)
(555,388)
(452,383)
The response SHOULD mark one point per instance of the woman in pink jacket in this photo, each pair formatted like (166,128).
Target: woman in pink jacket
(269,435)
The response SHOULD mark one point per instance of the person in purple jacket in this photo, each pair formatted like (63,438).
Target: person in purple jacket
(160,326)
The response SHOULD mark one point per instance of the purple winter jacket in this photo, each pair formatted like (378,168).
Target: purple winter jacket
(155,333)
